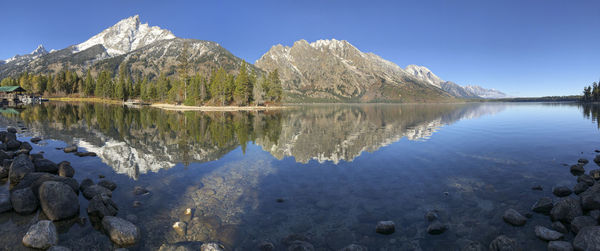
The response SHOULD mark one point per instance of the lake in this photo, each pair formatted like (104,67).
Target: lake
(325,174)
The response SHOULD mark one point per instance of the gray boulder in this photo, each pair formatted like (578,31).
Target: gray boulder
(559,227)
(547,234)
(577,169)
(25,146)
(566,209)
(503,243)
(93,190)
(20,166)
(120,231)
(588,239)
(582,221)
(102,205)
(514,218)
(586,178)
(24,201)
(590,199)
(58,200)
(543,205)
(13,145)
(85,183)
(45,165)
(560,246)
(35,180)
(11,129)
(41,235)
(580,187)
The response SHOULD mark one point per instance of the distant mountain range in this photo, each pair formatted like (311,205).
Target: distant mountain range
(325,70)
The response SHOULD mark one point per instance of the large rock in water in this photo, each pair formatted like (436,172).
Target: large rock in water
(102,205)
(385,227)
(503,243)
(58,200)
(566,209)
(590,199)
(588,239)
(514,218)
(582,221)
(41,235)
(560,246)
(45,165)
(65,169)
(561,191)
(543,205)
(120,231)
(24,201)
(547,234)
(35,180)
(20,167)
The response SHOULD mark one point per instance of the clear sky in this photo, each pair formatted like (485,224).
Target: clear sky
(524,48)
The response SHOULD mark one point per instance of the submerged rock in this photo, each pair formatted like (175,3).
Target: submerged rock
(93,190)
(436,227)
(561,191)
(24,201)
(566,209)
(41,235)
(537,187)
(543,205)
(514,218)
(101,205)
(385,227)
(588,238)
(138,190)
(547,234)
(58,201)
(560,246)
(503,243)
(582,221)
(120,231)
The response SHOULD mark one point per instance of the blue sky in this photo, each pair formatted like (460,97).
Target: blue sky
(524,48)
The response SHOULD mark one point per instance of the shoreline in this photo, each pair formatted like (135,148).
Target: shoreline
(171,107)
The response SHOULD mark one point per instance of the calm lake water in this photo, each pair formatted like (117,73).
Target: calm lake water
(338,169)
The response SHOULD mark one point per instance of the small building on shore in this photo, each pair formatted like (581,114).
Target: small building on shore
(11,95)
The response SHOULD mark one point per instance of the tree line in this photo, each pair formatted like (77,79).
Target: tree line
(591,93)
(219,88)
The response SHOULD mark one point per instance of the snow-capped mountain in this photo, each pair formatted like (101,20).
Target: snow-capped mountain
(335,70)
(469,91)
(485,93)
(125,36)
(20,59)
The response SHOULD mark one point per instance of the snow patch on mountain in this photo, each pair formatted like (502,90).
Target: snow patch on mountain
(19,59)
(422,73)
(125,36)
(485,93)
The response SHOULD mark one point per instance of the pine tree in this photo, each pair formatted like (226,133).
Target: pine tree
(243,88)
(184,67)
(89,84)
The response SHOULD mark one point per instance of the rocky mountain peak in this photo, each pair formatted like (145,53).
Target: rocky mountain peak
(424,74)
(40,50)
(125,36)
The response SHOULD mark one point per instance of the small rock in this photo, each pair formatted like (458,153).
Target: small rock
(588,238)
(432,215)
(385,227)
(354,247)
(558,226)
(577,169)
(85,183)
(65,169)
(24,201)
(101,205)
(514,218)
(560,246)
(537,187)
(120,231)
(101,176)
(70,149)
(86,154)
(138,190)
(137,203)
(582,221)
(547,234)
(108,184)
(580,187)
(58,201)
(566,209)
(299,246)
(279,200)
(188,211)
(586,178)
(35,140)
(436,227)
(94,190)
(542,205)
(595,174)
(561,191)
(41,235)
(180,228)
(583,161)
(503,243)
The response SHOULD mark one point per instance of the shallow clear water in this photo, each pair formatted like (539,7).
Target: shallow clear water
(338,168)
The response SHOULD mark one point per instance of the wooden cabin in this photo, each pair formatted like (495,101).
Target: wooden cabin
(10,95)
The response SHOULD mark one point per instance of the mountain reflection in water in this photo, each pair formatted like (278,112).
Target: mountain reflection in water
(136,141)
